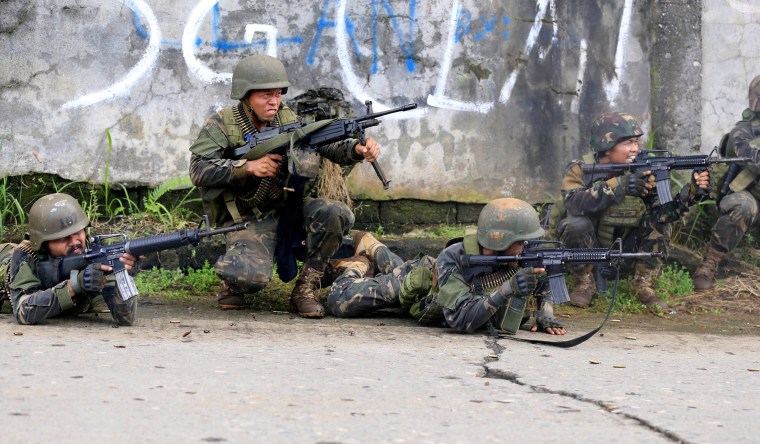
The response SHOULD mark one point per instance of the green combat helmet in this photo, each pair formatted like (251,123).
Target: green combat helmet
(610,129)
(754,94)
(505,221)
(53,217)
(258,71)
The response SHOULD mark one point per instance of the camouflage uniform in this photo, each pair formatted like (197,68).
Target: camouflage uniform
(602,209)
(590,205)
(32,303)
(449,294)
(355,293)
(739,210)
(247,265)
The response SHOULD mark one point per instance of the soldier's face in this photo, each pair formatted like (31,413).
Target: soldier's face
(265,103)
(623,152)
(513,250)
(66,246)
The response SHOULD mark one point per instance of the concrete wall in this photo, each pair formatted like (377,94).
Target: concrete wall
(506,90)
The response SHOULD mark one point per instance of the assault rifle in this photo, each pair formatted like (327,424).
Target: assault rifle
(314,135)
(660,163)
(554,257)
(57,269)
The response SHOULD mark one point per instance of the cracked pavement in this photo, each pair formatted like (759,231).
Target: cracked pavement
(203,375)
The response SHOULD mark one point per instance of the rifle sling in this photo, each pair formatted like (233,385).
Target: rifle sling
(571,342)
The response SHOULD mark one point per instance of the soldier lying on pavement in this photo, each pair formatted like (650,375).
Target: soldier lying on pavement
(57,229)
(441,290)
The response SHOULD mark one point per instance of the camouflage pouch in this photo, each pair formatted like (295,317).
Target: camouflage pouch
(417,284)
(626,214)
(5,263)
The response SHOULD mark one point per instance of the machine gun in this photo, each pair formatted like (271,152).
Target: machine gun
(554,257)
(660,163)
(314,135)
(57,269)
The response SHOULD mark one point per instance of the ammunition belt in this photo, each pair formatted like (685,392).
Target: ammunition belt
(257,191)
(498,277)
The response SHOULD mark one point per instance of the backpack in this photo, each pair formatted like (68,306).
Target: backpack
(6,251)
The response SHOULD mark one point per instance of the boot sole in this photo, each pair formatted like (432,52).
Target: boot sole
(311,315)
(231,307)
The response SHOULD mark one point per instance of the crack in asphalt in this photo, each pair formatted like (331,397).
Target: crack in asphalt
(606,406)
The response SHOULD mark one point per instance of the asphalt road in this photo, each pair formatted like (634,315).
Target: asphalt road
(200,375)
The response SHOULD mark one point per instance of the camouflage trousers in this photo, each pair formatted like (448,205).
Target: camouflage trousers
(248,263)
(649,237)
(738,212)
(123,312)
(353,294)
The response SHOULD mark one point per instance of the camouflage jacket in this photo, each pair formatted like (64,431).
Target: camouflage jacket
(581,198)
(745,130)
(32,303)
(468,302)
(211,170)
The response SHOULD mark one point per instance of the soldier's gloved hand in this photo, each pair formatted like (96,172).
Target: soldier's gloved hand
(523,283)
(89,280)
(699,187)
(635,185)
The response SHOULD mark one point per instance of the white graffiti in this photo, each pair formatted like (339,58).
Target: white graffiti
(143,67)
(192,29)
(575,105)
(613,88)
(269,31)
(437,99)
(351,81)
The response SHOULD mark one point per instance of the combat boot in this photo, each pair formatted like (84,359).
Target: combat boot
(704,277)
(643,285)
(360,265)
(304,299)
(585,289)
(366,244)
(229,300)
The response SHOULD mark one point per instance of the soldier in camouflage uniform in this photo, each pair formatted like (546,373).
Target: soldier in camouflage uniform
(601,209)
(253,191)
(738,209)
(443,291)
(56,229)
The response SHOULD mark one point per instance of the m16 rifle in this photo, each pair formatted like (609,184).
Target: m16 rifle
(660,163)
(554,258)
(314,135)
(102,250)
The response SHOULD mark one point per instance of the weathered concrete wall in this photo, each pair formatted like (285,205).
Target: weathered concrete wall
(506,90)
(730,60)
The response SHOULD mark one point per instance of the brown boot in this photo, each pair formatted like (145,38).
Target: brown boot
(704,277)
(585,290)
(643,285)
(229,300)
(366,244)
(303,299)
(360,264)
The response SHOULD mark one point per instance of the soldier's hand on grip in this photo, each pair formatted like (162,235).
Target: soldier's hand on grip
(635,185)
(523,283)
(90,280)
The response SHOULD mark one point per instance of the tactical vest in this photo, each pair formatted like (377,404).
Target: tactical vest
(626,214)
(746,179)
(226,203)
(424,306)
(6,254)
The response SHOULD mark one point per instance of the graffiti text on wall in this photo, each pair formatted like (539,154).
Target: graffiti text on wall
(460,25)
